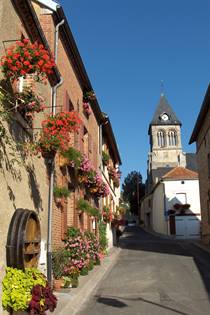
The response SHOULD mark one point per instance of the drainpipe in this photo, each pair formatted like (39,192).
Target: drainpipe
(51,165)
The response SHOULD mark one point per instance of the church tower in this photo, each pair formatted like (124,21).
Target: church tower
(165,142)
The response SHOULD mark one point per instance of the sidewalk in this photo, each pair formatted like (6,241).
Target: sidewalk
(70,300)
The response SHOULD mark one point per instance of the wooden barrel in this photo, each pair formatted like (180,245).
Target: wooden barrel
(23,239)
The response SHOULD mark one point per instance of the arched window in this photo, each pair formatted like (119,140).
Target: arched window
(161,139)
(172,138)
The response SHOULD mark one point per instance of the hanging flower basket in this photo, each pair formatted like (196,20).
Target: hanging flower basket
(28,104)
(56,132)
(25,58)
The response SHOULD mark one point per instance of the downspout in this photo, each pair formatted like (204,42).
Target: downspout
(51,164)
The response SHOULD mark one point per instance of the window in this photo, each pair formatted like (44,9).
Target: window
(86,142)
(172,138)
(68,104)
(161,139)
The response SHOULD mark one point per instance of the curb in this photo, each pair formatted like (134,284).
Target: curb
(205,248)
(70,302)
(163,236)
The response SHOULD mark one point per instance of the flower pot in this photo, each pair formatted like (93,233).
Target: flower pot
(57,284)
(17,85)
(29,82)
(63,161)
(74,282)
(48,154)
(93,190)
(59,201)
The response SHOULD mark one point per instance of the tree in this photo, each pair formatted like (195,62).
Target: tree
(133,190)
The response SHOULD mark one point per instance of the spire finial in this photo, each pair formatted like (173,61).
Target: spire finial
(161,88)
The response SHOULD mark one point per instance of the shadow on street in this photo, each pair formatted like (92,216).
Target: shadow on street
(135,238)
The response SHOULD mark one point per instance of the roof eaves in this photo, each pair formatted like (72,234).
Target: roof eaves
(49,4)
(33,28)
(180,178)
(201,116)
(107,127)
(75,59)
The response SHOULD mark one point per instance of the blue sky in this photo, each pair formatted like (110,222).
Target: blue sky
(128,47)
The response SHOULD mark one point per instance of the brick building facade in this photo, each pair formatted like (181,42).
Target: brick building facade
(25,184)
(201,135)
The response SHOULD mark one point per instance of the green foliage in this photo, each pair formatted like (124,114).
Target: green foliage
(103,241)
(84,271)
(59,260)
(17,286)
(74,156)
(94,212)
(133,190)
(74,282)
(105,157)
(91,265)
(85,206)
(73,232)
(61,192)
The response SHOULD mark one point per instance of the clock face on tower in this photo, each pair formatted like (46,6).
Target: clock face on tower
(164,117)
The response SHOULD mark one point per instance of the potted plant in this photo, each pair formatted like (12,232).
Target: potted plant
(83,205)
(60,193)
(72,274)
(56,130)
(177,206)
(89,95)
(59,260)
(186,206)
(107,214)
(71,157)
(105,158)
(29,104)
(24,59)
(87,108)
(27,291)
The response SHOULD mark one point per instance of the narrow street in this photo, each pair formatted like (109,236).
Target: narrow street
(154,276)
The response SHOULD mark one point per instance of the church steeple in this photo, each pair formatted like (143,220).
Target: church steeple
(164,115)
(165,141)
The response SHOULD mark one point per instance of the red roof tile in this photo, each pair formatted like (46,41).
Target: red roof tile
(180,173)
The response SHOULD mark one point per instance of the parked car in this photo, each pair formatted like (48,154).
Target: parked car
(132,223)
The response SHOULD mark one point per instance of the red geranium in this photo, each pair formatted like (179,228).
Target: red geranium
(56,131)
(26,58)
